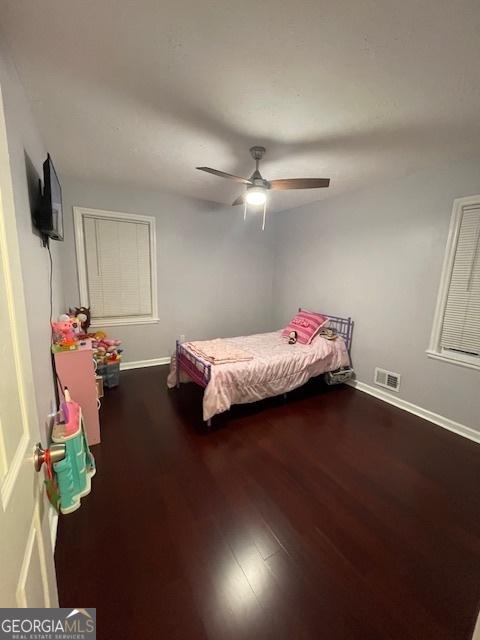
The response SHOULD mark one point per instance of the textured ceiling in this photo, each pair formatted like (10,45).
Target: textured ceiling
(142,91)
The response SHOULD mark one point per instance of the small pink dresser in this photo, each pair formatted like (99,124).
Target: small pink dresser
(76,370)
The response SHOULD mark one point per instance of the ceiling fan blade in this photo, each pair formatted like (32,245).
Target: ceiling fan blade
(222,174)
(299,183)
(239,200)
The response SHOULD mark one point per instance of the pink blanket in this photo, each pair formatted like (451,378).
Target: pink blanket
(218,351)
(276,367)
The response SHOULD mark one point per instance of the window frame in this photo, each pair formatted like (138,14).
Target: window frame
(435,349)
(79,213)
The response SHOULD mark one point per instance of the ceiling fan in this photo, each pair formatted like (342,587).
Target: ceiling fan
(257,186)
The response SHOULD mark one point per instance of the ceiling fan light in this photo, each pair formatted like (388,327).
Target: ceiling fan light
(256,196)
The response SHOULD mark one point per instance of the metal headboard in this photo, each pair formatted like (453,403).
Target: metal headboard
(343,326)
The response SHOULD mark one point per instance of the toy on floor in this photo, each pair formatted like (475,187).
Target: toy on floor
(107,354)
(75,471)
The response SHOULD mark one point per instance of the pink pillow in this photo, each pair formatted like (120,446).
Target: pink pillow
(307,324)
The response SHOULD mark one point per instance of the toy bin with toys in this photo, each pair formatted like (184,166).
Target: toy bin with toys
(108,354)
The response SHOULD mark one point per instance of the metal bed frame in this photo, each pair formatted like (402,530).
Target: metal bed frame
(200,371)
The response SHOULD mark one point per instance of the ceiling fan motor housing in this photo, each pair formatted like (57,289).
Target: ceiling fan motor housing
(257,152)
(258,181)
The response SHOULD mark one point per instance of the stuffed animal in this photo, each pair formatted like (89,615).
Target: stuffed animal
(63,332)
(106,349)
(328,332)
(292,337)
(83,315)
(76,323)
(110,342)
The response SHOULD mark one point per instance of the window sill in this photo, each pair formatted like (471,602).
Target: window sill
(120,322)
(460,363)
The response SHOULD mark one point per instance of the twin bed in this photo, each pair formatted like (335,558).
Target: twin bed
(273,367)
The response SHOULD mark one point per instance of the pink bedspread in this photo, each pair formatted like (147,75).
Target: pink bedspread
(276,367)
(218,351)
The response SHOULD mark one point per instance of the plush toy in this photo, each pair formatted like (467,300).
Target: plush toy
(328,332)
(110,342)
(106,349)
(63,332)
(292,337)
(83,315)
(77,326)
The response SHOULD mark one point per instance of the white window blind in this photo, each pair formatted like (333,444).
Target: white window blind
(461,320)
(455,334)
(116,265)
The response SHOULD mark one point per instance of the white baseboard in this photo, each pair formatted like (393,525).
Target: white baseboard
(53,524)
(139,364)
(441,421)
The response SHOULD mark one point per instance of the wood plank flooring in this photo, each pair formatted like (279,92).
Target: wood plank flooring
(331,515)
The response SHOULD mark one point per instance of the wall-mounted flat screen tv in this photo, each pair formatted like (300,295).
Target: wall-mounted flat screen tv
(49,219)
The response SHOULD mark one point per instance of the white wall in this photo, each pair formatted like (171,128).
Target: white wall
(27,154)
(215,271)
(376,255)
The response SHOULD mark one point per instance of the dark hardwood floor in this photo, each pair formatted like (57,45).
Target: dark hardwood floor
(329,516)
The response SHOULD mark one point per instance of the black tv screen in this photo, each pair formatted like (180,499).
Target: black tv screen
(50,218)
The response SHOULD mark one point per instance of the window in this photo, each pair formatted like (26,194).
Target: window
(116,261)
(456,328)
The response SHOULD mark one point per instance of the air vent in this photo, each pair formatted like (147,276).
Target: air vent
(387,379)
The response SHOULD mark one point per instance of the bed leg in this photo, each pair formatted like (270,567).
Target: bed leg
(177,367)
(209,423)
(284,396)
